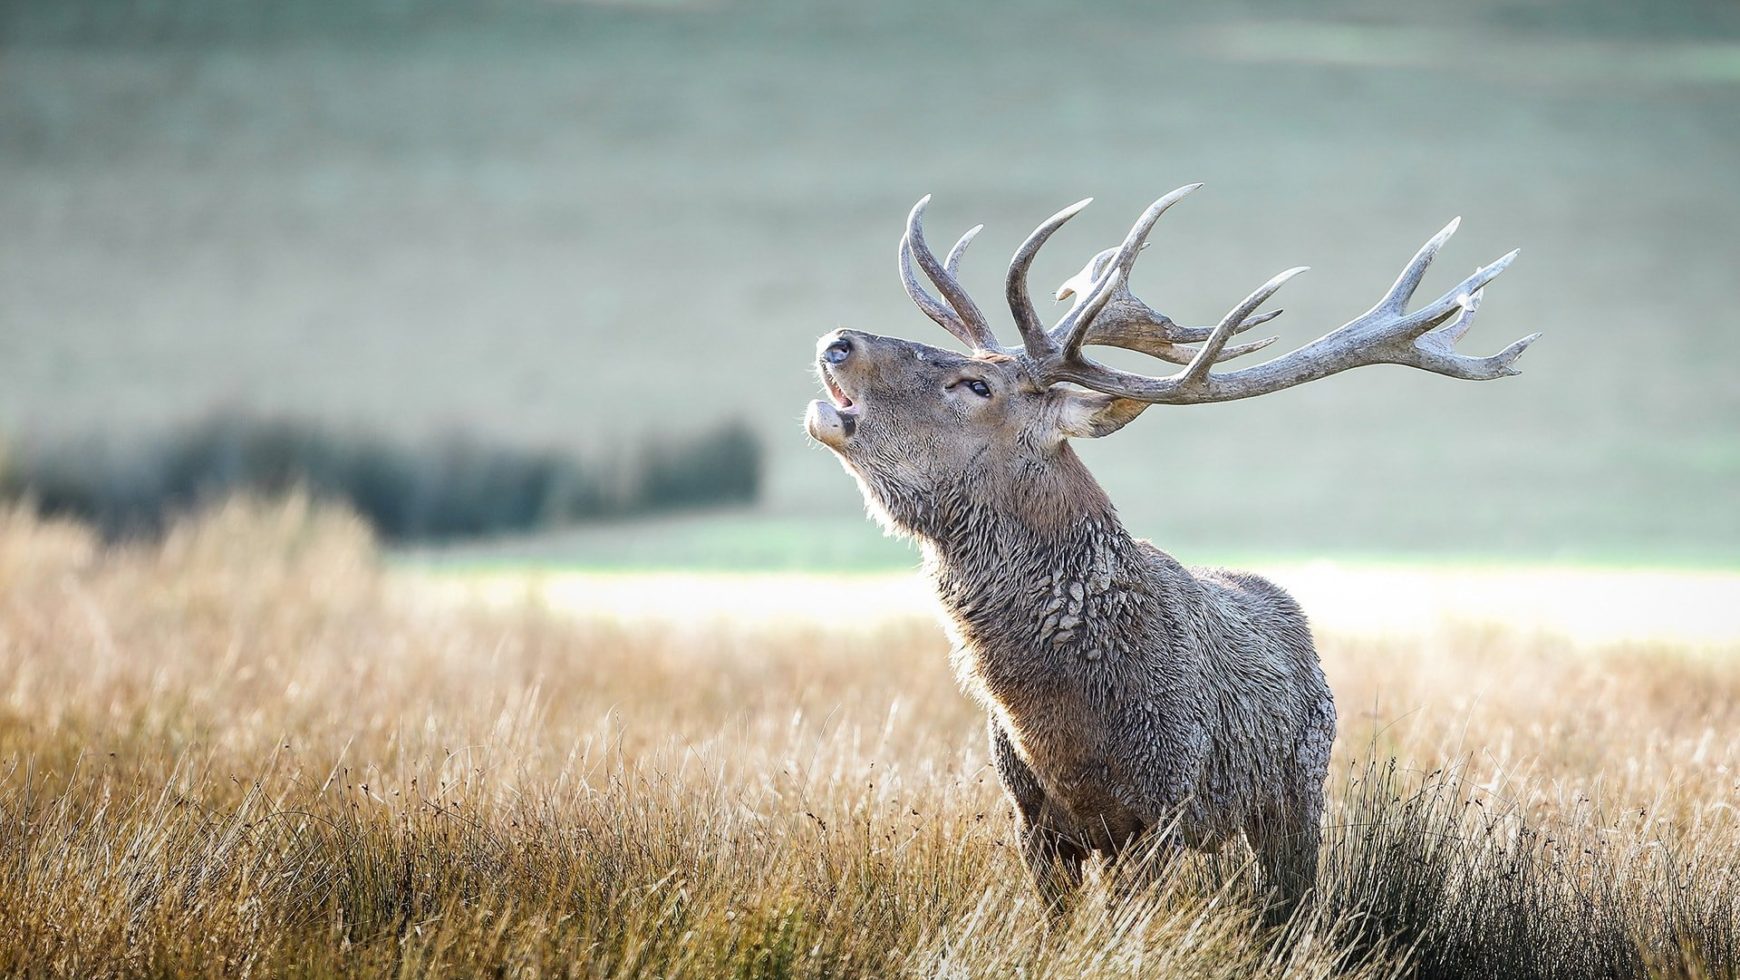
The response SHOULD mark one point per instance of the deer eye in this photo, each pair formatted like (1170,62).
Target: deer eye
(979,388)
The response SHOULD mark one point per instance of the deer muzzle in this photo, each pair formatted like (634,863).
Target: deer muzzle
(833,420)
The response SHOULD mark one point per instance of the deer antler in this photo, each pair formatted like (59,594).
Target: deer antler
(1129,323)
(1106,313)
(1385,334)
(960,317)
(1122,320)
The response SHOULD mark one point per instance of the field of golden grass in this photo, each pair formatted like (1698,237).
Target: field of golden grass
(247,751)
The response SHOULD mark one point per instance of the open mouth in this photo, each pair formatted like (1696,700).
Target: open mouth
(836,394)
(834,421)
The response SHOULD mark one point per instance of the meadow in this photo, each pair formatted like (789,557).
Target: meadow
(254,749)
(270,741)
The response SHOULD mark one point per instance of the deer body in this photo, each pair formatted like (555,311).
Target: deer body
(1127,696)
(1148,692)
(1127,693)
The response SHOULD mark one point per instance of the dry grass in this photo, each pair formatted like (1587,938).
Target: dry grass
(244,752)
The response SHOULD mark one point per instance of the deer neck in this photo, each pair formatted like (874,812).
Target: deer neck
(1031,565)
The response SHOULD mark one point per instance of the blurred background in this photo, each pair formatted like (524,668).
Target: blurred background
(539,282)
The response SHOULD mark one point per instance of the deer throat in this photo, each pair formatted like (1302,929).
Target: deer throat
(1033,611)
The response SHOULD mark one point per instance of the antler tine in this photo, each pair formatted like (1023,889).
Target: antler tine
(1396,300)
(953,262)
(944,316)
(1454,301)
(1210,352)
(1439,345)
(1240,350)
(1162,349)
(968,323)
(1196,335)
(1069,332)
(1452,332)
(1034,339)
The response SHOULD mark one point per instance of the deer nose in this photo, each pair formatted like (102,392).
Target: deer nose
(837,351)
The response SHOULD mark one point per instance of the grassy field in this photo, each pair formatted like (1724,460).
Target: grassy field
(248,750)
(567,221)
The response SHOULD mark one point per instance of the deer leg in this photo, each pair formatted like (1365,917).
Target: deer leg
(1054,857)
(1286,840)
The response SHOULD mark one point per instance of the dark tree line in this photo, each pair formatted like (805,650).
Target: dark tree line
(449,487)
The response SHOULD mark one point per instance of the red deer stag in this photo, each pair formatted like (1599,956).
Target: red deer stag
(1128,696)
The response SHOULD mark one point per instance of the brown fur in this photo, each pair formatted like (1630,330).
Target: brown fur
(1130,700)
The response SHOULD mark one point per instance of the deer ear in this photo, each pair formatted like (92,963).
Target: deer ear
(1089,414)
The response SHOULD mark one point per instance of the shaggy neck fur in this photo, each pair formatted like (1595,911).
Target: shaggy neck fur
(1041,564)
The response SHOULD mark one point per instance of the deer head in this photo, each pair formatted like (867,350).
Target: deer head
(935,436)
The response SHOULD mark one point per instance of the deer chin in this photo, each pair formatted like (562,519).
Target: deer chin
(831,425)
